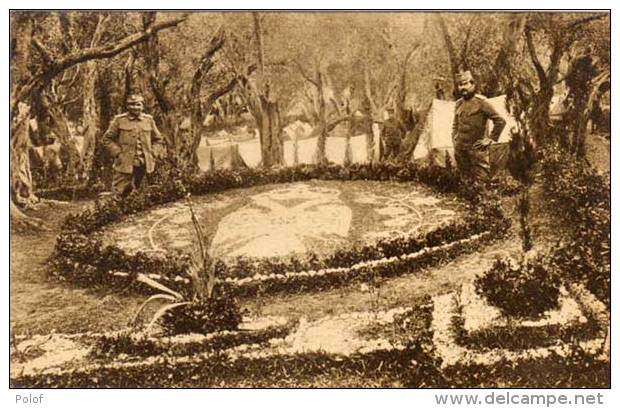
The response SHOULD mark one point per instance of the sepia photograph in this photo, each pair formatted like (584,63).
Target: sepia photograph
(309,199)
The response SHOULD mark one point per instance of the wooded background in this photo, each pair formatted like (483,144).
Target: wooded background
(71,72)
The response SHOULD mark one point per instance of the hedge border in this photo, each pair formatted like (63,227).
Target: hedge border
(446,334)
(242,361)
(77,249)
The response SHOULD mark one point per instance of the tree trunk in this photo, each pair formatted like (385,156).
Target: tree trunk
(583,112)
(504,62)
(22,222)
(370,112)
(90,111)
(539,114)
(73,168)
(270,130)
(454,63)
(101,165)
(321,158)
(131,77)
(90,119)
(21,177)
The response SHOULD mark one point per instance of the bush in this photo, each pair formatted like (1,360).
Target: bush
(124,343)
(205,315)
(580,197)
(525,290)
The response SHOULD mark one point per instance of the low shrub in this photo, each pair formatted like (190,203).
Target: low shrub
(124,343)
(523,290)
(206,315)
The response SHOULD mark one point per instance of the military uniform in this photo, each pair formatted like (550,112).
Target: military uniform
(134,142)
(469,127)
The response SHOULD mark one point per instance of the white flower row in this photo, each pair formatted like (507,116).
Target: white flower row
(596,310)
(590,304)
(328,271)
(357,267)
(74,350)
(276,349)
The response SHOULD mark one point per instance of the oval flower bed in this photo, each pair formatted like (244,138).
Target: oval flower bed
(81,255)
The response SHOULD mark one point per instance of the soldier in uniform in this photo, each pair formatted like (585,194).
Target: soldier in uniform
(471,145)
(392,135)
(134,142)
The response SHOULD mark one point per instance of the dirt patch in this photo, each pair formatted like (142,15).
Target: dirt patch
(385,293)
(40,304)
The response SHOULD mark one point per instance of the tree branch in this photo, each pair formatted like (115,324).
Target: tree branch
(99,52)
(584,20)
(330,125)
(99,30)
(540,71)
(206,63)
(305,75)
(449,45)
(46,55)
(66,24)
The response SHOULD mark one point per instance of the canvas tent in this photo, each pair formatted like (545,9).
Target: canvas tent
(224,155)
(435,142)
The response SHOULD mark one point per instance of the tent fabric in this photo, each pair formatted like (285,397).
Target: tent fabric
(233,155)
(221,156)
(435,142)
(223,151)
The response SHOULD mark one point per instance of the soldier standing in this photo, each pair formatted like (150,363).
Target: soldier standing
(471,145)
(134,142)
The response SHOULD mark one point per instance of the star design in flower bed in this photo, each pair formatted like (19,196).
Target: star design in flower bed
(412,212)
(289,219)
(282,222)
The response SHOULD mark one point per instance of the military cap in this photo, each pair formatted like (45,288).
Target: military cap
(464,76)
(135,98)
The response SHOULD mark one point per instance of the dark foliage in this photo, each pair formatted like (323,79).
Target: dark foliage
(124,343)
(580,198)
(109,347)
(205,315)
(525,290)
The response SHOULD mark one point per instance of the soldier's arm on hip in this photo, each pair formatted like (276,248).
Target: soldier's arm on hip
(454,125)
(110,138)
(498,121)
